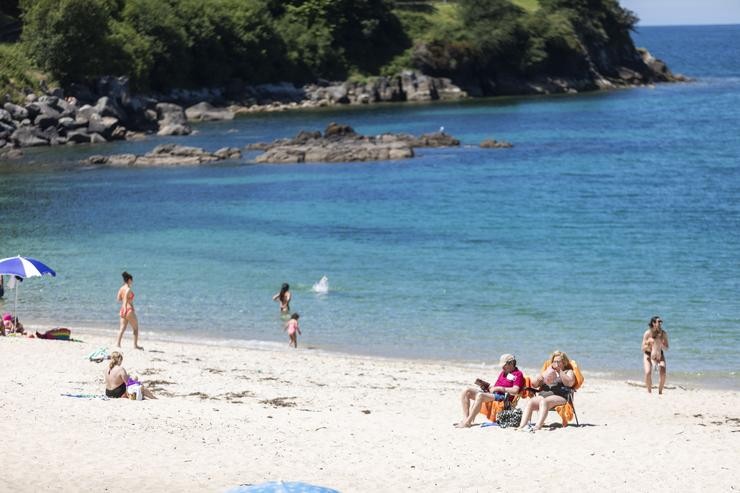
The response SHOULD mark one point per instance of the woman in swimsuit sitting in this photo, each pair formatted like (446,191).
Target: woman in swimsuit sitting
(127,313)
(654,341)
(555,381)
(116,379)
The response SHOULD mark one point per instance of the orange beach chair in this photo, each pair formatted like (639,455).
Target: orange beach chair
(568,411)
(492,408)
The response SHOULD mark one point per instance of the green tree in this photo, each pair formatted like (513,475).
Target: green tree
(68,38)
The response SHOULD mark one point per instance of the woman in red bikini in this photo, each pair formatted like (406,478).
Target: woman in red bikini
(127,313)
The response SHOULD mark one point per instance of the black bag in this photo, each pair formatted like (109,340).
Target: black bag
(509,417)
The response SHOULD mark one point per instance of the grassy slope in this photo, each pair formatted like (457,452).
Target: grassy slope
(17,72)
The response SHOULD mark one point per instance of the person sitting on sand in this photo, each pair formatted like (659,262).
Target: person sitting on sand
(12,325)
(507,385)
(555,384)
(116,379)
(654,342)
(283,297)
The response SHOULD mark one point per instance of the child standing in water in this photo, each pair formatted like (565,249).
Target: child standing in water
(293,328)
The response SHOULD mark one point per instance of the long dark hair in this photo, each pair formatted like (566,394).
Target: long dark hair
(283,289)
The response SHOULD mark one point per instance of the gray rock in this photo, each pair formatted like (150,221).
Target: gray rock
(207,112)
(174,129)
(97,139)
(29,137)
(33,110)
(5,116)
(172,120)
(109,107)
(118,133)
(167,155)
(171,114)
(17,112)
(102,125)
(44,121)
(85,112)
(78,137)
(228,153)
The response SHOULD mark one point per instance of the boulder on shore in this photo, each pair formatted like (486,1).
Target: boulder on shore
(206,112)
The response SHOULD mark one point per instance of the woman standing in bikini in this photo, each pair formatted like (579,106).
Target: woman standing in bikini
(127,313)
(654,341)
(283,297)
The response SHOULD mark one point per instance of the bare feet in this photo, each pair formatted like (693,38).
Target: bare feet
(137,347)
(462,424)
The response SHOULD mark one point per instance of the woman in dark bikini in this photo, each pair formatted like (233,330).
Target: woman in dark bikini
(284,298)
(555,380)
(116,379)
(654,341)
(127,313)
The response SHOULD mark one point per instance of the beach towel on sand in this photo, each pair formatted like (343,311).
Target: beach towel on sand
(59,333)
(87,396)
(99,355)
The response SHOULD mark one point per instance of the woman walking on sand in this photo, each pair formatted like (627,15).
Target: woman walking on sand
(127,313)
(284,298)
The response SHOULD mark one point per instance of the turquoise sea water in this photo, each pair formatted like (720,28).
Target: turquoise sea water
(611,208)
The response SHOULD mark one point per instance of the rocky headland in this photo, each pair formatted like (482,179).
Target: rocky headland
(108,111)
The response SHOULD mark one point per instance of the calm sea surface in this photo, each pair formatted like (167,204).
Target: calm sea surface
(611,208)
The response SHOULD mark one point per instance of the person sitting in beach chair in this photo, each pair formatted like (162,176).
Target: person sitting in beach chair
(554,387)
(508,384)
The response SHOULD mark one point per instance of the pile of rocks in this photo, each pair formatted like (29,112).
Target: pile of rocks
(52,119)
(340,143)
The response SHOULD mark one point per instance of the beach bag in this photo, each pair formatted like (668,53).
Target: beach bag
(509,418)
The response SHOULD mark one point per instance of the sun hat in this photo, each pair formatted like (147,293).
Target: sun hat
(505,358)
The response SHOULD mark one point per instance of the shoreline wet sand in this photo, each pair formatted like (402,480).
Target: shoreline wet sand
(231,415)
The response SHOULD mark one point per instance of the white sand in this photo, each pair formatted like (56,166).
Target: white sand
(355,424)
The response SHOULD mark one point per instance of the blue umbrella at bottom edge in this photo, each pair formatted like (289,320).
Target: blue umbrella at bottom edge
(281,487)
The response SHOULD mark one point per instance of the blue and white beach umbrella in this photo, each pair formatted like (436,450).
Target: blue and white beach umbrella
(281,487)
(24,267)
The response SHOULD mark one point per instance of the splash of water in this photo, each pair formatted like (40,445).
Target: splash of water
(321,287)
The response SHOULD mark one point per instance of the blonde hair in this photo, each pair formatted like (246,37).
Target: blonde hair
(564,357)
(115,359)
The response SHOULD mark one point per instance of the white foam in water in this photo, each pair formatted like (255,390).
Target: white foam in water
(321,287)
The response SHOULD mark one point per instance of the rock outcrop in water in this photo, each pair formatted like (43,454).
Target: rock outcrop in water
(167,155)
(340,143)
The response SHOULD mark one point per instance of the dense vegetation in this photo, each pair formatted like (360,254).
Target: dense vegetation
(160,44)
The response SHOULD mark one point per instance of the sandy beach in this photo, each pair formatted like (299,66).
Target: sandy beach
(229,416)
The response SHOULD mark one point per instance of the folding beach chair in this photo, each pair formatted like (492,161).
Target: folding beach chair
(567,411)
(492,408)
